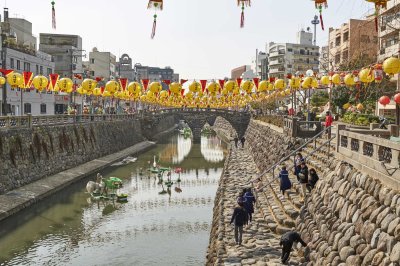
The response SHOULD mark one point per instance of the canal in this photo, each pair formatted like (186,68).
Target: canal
(70,228)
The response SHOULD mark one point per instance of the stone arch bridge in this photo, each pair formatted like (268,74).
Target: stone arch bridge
(197,118)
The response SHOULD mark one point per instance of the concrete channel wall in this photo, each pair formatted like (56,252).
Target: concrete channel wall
(351,218)
(30,154)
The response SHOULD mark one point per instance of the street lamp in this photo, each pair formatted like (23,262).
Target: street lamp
(315,22)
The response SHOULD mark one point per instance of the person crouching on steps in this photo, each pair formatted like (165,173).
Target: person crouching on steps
(287,242)
(285,183)
(240,217)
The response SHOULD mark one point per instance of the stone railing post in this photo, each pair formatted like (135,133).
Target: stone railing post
(395,158)
(375,153)
(30,121)
(338,137)
(394,130)
(373,126)
(294,128)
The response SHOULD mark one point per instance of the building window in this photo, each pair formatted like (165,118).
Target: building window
(27,67)
(59,58)
(49,71)
(337,41)
(92,73)
(337,59)
(331,45)
(18,65)
(12,63)
(92,60)
(37,69)
(345,56)
(41,70)
(43,108)
(27,108)
(345,36)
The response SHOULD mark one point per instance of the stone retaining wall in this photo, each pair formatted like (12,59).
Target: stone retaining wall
(30,154)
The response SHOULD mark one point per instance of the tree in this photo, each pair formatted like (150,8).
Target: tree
(319,98)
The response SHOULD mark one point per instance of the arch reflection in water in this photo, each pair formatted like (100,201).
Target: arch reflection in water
(177,150)
(212,149)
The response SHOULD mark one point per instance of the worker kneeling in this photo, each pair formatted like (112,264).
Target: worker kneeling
(286,242)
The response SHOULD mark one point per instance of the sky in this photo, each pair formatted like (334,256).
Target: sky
(199,39)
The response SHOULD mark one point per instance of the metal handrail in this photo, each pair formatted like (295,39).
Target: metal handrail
(288,156)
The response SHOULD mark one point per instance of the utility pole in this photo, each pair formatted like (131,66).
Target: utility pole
(315,22)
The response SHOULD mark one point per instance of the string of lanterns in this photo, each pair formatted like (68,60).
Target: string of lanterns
(221,93)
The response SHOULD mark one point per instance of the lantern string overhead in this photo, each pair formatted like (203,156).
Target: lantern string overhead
(319,4)
(378,5)
(53,15)
(243,3)
(156,5)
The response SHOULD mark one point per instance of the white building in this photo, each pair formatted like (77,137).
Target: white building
(285,58)
(102,64)
(19,53)
(260,65)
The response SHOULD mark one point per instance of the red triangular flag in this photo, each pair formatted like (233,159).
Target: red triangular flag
(183,81)
(221,83)
(5,72)
(167,81)
(53,80)
(124,83)
(102,90)
(239,81)
(203,83)
(256,82)
(169,92)
(27,79)
(182,91)
(145,83)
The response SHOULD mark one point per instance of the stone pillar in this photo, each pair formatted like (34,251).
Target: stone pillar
(196,132)
(338,137)
(373,126)
(394,130)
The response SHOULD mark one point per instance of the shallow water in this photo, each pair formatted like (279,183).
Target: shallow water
(70,228)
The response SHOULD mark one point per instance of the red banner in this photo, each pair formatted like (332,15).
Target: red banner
(53,80)
(239,81)
(183,81)
(203,83)
(167,81)
(272,80)
(27,79)
(124,83)
(182,91)
(77,76)
(221,83)
(145,83)
(102,90)
(5,72)
(256,82)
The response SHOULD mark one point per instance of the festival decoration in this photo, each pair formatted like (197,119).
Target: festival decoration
(195,87)
(156,5)
(319,4)
(15,80)
(27,79)
(134,88)
(243,3)
(145,83)
(65,85)
(53,15)
(247,86)
(112,86)
(2,80)
(89,84)
(336,79)
(155,87)
(391,66)
(360,107)
(53,82)
(378,5)
(306,84)
(366,75)
(325,81)
(40,82)
(349,80)
(280,84)
(175,88)
(384,100)
(396,98)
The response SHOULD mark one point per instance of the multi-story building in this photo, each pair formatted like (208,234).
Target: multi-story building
(389,31)
(102,64)
(324,60)
(354,39)
(260,65)
(66,51)
(125,67)
(155,74)
(18,50)
(238,72)
(285,58)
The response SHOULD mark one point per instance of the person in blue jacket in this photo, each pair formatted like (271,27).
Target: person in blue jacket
(249,201)
(285,183)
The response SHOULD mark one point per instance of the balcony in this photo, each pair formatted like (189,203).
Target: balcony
(276,70)
(275,62)
(279,53)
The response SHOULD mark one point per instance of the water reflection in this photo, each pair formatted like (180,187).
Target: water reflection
(71,229)
(212,149)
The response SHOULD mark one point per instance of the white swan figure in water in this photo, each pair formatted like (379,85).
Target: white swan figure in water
(154,163)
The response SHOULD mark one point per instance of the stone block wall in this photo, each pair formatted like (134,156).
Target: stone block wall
(27,155)
(352,219)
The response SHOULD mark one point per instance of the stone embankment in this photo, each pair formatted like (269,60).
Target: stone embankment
(348,219)
(30,154)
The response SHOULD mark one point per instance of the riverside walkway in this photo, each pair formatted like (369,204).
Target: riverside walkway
(260,244)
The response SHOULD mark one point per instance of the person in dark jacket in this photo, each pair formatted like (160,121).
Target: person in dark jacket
(312,179)
(242,140)
(236,139)
(287,241)
(297,164)
(239,218)
(303,178)
(284,180)
(249,203)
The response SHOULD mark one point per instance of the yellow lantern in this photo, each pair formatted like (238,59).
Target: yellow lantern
(346,106)
(65,84)
(97,92)
(134,87)
(349,80)
(360,107)
(143,98)
(280,84)
(314,83)
(263,86)
(2,81)
(112,86)
(15,80)
(155,87)
(336,79)
(247,86)
(89,84)
(81,91)
(40,82)
(325,81)
(163,95)
(366,75)
(175,88)
(306,84)
(391,66)
(213,87)
(230,85)
(106,93)
(195,87)
(295,83)
(288,92)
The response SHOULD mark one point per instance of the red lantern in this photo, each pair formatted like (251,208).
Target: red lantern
(384,100)
(396,98)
